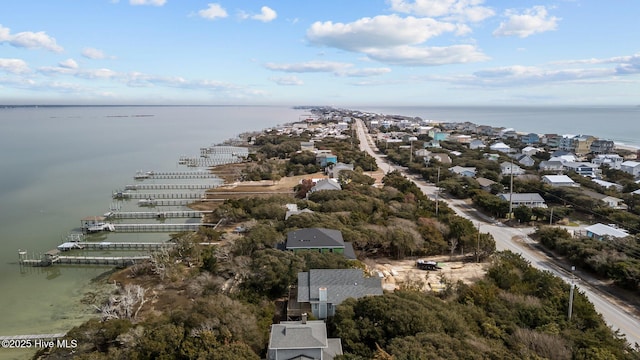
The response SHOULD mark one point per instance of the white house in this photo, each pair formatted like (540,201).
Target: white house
(532,200)
(631,167)
(529,150)
(500,146)
(559,180)
(613,161)
(508,168)
(463,171)
(582,168)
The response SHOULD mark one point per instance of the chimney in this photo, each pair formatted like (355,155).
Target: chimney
(304,318)
(322,294)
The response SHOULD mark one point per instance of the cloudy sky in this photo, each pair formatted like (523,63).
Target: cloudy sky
(328,52)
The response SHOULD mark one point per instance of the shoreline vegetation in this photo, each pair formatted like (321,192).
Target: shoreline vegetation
(219,301)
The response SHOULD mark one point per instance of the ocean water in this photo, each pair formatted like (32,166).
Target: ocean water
(618,123)
(61,164)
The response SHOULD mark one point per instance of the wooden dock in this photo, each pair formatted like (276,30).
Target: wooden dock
(174,175)
(136,195)
(165,202)
(105,245)
(86,260)
(157,214)
(136,187)
(159,227)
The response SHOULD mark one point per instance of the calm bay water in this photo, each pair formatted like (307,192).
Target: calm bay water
(60,164)
(618,123)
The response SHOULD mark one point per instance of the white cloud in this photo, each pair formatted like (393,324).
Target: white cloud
(461,10)
(395,40)
(531,21)
(69,64)
(287,81)
(92,53)
(309,66)
(428,56)
(148,2)
(14,66)
(336,68)
(379,32)
(267,14)
(29,40)
(213,11)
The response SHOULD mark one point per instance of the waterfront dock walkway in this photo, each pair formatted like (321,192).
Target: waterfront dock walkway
(174,175)
(136,187)
(156,214)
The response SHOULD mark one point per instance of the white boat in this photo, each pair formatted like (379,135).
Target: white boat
(102,226)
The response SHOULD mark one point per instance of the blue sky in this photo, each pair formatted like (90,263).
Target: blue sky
(329,52)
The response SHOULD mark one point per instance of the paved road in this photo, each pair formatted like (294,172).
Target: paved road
(516,240)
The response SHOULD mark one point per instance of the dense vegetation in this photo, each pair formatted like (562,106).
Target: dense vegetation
(608,258)
(516,312)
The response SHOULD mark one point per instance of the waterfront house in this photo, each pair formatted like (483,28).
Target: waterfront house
(582,144)
(324,289)
(531,200)
(320,240)
(559,181)
(303,340)
(530,138)
(631,167)
(604,232)
(602,146)
(613,161)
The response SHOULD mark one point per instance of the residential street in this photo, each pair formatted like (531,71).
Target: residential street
(619,317)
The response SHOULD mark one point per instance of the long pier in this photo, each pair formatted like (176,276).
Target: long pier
(86,260)
(156,214)
(134,195)
(159,227)
(161,202)
(174,175)
(135,187)
(123,245)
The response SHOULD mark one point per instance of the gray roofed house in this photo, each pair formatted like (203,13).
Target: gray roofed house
(302,340)
(325,184)
(603,232)
(325,289)
(532,200)
(319,239)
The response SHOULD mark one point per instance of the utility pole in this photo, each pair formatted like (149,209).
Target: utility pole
(573,268)
(437,190)
(478,246)
(551,218)
(511,191)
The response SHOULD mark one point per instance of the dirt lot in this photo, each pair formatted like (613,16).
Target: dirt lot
(396,273)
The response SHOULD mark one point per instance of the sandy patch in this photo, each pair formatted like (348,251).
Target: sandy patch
(398,273)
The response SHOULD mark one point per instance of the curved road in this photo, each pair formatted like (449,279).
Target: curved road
(516,240)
